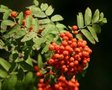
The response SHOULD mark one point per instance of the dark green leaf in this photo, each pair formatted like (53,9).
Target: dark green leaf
(28,78)
(9,83)
(20,18)
(0,85)
(79,36)
(96,16)
(88,35)
(39,61)
(26,66)
(88,16)
(93,33)
(44,6)
(3,74)
(56,18)
(6,14)
(5,64)
(49,11)
(97,28)
(36,2)
(80,20)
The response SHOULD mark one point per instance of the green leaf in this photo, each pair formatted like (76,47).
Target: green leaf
(36,2)
(28,78)
(28,36)
(44,6)
(6,14)
(37,42)
(104,20)
(35,24)
(39,61)
(56,18)
(7,23)
(4,7)
(0,85)
(44,21)
(101,16)
(5,64)
(1,44)
(96,16)
(97,28)
(93,33)
(29,61)
(45,49)
(88,35)
(37,12)
(79,36)
(49,11)
(80,20)
(20,18)
(60,26)
(25,66)
(3,74)
(28,21)
(88,16)
(9,83)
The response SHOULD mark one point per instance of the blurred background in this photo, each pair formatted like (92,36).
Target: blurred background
(99,73)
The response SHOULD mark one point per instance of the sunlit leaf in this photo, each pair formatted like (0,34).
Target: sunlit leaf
(96,16)
(49,11)
(6,14)
(88,16)
(56,18)
(44,6)
(28,21)
(45,21)
(20,18)
(36,2)
(7,23)
(88,35)
(80,20)
(5,64)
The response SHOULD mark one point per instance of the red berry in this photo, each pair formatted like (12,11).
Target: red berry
(36,68)
(74,28)
(39,74)
(27,12)
(13,14)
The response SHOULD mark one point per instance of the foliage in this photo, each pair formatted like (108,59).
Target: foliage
(25,38)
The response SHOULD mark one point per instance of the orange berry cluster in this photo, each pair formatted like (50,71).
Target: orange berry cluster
(71,56)
(61,84)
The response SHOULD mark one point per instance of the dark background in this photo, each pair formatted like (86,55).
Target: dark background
(99,73)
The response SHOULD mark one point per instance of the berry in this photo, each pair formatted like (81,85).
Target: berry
(13,14)
(74,28)
(27,12)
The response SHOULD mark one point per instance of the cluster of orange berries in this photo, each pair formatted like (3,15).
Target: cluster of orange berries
(71,56)
(61,84)
(27,13)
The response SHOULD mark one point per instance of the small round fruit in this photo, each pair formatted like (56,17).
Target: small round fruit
(13,14)
(27,12)
(74,28)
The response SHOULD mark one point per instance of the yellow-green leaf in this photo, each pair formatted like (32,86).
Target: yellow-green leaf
(49,11)
(96,16)
(88,35)
(80,20)
(88,16)
(39,61)
(93,33)
(56,18)
(44,6)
